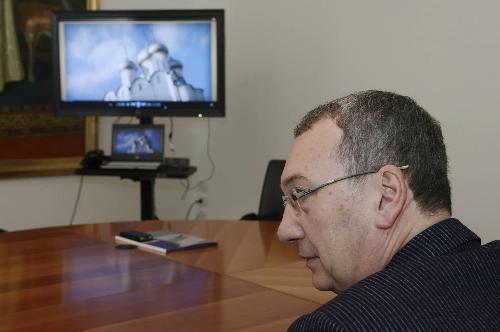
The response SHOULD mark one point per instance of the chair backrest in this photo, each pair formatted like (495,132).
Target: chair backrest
(271,205)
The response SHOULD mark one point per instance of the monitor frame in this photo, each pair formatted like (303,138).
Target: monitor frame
(105,108)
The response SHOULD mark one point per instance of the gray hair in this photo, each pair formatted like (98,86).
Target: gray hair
(383,128)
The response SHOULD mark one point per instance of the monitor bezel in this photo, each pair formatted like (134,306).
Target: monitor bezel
(177,109)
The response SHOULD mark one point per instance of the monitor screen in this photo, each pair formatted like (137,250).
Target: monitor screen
(139,63)
(137,142)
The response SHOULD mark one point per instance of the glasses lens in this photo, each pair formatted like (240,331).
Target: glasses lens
(289,199)
(285,200)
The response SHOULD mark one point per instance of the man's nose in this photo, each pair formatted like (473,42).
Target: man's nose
(290,229)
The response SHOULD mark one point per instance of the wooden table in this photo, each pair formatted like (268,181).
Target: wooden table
(72,278)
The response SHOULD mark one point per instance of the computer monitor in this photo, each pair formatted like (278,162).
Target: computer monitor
(137,142)
(139,63)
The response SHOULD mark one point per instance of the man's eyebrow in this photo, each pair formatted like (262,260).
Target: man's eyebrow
(286,182)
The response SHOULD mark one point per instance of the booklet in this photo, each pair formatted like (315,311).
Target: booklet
(165,241)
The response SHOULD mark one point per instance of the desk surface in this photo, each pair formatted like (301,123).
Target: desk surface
(162,172)
(72,278)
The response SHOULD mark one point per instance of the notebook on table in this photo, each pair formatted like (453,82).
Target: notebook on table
(136,146)
(165,241)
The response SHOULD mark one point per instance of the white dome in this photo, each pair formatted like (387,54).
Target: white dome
(156,47)
(143,55)
(127,64)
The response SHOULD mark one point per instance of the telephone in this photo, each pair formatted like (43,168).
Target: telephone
(93,159)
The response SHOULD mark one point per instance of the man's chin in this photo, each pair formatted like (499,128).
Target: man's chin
(322,282)
(320,279)
(322,285)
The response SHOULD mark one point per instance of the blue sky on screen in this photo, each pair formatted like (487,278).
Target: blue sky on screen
(125,139)
(94,52)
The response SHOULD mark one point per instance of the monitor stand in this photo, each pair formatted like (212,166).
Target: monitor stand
(147,186)
(145,120)
(148,199)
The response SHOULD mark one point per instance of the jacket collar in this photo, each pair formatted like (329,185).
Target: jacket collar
(440,239)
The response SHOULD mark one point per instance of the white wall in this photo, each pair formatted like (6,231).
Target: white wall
(283,57)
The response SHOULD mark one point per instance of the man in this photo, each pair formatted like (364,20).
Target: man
(368,204)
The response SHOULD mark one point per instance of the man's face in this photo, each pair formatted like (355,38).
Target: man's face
(331,229)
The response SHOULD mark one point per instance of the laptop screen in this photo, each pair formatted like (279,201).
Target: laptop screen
(137,142)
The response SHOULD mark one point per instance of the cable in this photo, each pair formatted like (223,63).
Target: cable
(76,201)
(185,183)
(171,136)
(198,201)
(212,163)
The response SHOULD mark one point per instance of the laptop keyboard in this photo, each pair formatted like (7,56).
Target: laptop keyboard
(131,165)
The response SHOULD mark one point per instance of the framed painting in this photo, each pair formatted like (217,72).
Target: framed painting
(33,141)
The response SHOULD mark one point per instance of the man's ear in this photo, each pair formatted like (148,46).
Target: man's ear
(393,195)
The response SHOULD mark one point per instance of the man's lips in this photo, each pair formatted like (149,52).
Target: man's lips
(310,261)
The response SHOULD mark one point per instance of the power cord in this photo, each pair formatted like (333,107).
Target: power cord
(186,184)
(171,146)
(76,201)
(198,201)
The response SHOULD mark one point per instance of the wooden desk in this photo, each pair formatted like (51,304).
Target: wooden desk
(72,278)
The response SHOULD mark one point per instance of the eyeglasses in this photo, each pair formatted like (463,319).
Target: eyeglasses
(293,198)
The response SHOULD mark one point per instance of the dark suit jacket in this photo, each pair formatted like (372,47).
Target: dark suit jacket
(441,280)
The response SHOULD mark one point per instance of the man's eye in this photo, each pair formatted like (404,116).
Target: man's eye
(297,190)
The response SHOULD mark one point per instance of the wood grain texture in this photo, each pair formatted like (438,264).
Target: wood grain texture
(292,278)
(242,245)
(232,314)
(72,278)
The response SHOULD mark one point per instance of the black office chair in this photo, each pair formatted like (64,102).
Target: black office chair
(271,205)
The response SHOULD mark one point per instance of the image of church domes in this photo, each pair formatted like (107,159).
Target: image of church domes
(156,76)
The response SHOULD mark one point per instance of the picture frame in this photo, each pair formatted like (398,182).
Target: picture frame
(33,141)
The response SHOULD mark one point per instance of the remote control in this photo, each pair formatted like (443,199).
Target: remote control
(136,236)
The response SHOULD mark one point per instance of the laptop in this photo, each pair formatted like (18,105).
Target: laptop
(136,146)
